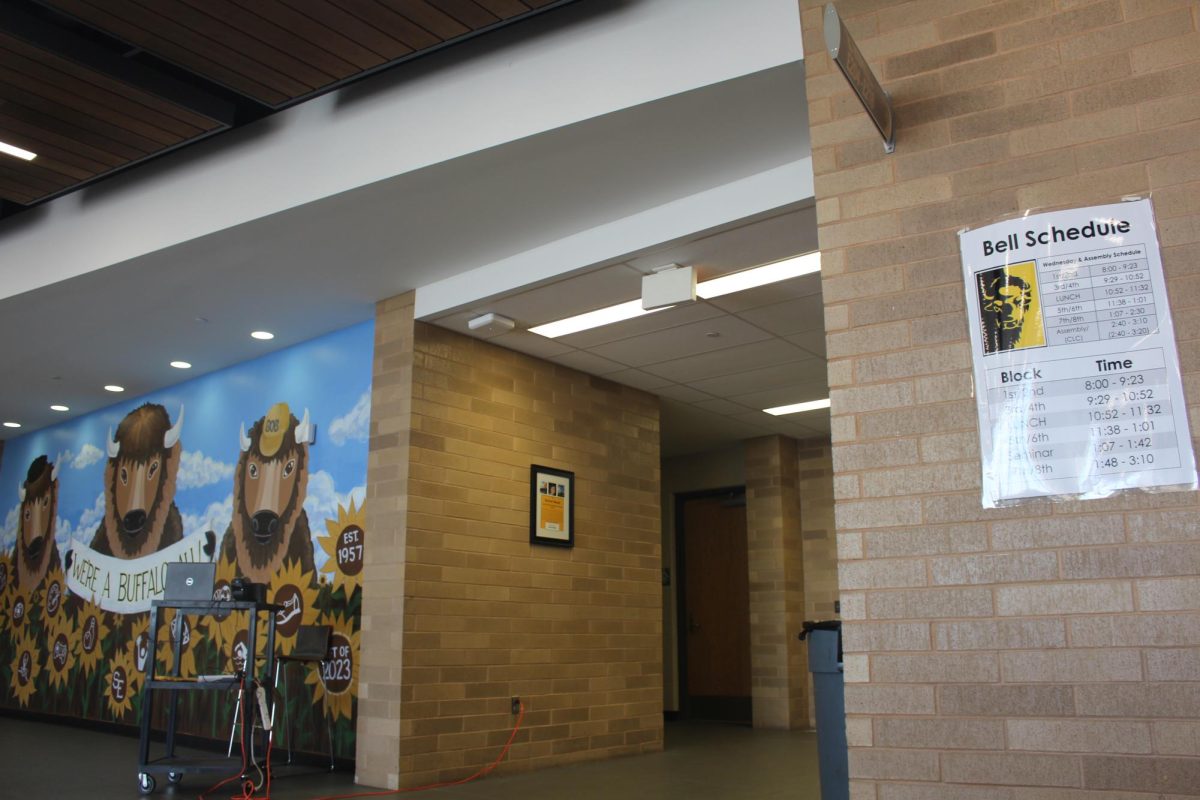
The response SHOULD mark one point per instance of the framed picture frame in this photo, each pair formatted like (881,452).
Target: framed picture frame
(551,506)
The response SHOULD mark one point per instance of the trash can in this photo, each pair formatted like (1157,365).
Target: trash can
(825,664)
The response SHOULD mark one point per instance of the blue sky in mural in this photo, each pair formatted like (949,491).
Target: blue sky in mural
(330,376)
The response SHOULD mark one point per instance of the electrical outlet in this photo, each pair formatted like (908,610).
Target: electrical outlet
(516,705)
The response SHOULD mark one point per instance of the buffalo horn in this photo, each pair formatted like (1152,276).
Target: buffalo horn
(21,490)
(114,447)
(304,431)
(243,438)
(172,436)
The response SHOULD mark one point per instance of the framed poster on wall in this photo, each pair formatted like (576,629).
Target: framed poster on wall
(551,506)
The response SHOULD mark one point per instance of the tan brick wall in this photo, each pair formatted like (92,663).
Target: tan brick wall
(576,633)
(1047,650)
(382,637)
(775,546)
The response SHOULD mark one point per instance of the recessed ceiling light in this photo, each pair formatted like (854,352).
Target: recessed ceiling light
(59,408)
(12,424)
(264,335)
(181,365)
(112,387)
(796,408)
(726,284)
(19,152)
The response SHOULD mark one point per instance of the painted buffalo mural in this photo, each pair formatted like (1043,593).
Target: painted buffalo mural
(140,516)
(36,551)
(140,494)
(270,526)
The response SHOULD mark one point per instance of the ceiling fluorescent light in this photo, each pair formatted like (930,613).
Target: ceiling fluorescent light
(760,276)
(593,319)
(726,284)
(13,150)
(796,408)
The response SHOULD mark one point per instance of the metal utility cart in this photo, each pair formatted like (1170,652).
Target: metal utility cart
(169,764)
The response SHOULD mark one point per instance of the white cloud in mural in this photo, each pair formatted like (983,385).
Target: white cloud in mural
(197,469)
(90,519)
(215,518)
(354,425)
(89,455)
(323,499)
(9,536)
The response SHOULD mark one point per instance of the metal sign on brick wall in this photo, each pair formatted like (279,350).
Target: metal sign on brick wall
(1076,371)
(849,59)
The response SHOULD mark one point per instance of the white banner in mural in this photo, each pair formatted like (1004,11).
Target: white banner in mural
(127,586)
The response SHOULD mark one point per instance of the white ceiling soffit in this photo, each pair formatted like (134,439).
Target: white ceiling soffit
(322,266)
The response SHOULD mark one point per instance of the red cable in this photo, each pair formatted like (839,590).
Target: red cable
(484,771)
(221,783)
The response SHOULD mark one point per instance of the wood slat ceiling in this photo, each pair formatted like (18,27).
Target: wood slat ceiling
(94,86)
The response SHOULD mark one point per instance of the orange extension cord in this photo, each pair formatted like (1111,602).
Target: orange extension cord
(484,771)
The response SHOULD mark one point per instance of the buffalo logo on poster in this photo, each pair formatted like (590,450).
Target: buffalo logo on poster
(1010,307)
(35,551)
(140,516)
(269,523)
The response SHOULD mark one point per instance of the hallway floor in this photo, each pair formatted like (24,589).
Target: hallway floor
(701,762)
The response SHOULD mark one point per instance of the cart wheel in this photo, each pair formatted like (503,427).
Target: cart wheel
(174,777)
(145,782)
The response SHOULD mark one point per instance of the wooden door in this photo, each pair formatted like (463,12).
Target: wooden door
(717,609)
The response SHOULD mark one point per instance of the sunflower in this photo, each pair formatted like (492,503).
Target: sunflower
(140,646)
(187,639)
(26,666)
(53,595)
(344,546)
(18,610)
(121,683)
(296,591)
(222,626)
(62,638)
(6,571)
(336,679)
(93,630)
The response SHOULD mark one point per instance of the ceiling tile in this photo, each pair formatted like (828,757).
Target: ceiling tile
(638,379)
(781,376)
(812,341)
(682,341)
(791,316)
(720,406)
(684,394)
(587,362)
(530,344)
(782,396)
(767,352)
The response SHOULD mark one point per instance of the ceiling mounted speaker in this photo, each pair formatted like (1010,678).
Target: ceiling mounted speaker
(490,323)
(668,286)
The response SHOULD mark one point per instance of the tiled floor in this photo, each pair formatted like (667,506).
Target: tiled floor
(700,762)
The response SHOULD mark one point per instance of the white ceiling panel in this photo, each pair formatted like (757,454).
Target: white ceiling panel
(722,406)
(812,341)
(782,376)
(739,302)
(684,394)
(685,340)
(588,362)
(638,379)
(767,352)
(788,317)
(781,396)
(530,343)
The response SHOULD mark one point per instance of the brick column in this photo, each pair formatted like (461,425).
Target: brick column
(1045,649)
(779,680)
(379,681)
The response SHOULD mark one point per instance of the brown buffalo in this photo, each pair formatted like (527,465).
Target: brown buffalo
(270,483)
(36,551)
(140,516)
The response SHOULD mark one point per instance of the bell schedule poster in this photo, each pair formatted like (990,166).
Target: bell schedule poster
(1076,373)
